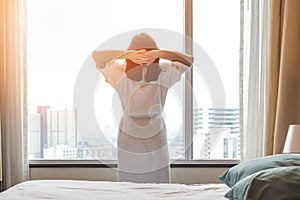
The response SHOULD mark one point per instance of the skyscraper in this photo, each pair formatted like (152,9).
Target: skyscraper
(216,133)
(34,133)
(42,110)
(52,128)
(224,132)
(62,128)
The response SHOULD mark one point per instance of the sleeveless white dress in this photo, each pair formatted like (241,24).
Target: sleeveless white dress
(142,141)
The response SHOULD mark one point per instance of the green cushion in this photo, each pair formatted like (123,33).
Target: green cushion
(238,172)
(277,183)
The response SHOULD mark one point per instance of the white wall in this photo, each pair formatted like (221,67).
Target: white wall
(178,175)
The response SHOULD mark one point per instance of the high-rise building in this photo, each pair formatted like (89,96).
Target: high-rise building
(42,110)
(176,147)
(34,133)
(61,128)
(197,120)
(50,128)
(216,133)
(224,132)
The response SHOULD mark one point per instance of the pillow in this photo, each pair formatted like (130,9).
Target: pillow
(276,183)
(238,172)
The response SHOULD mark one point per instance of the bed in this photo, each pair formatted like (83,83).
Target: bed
(273,177)
(105,190)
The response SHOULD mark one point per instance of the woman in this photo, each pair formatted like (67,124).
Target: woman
(142,82)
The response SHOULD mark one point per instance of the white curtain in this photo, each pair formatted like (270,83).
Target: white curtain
(13,92)
(256,16)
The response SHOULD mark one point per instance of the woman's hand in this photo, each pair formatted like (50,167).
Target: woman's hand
(141,57)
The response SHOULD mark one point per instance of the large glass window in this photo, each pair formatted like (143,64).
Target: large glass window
(216,33)
(63,33)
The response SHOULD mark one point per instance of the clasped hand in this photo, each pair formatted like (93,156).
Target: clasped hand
(142,57)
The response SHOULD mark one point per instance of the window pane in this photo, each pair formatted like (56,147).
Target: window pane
(216,27)
(61,35)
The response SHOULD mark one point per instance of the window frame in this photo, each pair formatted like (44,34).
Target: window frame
(81,163)
(188,161)
(188,100)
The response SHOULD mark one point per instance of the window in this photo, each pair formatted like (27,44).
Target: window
(216,35)
(63,33)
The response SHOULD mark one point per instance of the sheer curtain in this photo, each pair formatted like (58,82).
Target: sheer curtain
(13,92)
(256,18)
(271,70)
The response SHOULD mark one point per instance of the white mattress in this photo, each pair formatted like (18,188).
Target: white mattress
(104,190)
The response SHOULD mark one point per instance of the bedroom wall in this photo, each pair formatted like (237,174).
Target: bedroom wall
(178,175)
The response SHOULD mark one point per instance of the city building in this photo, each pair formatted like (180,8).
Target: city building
(42,110)
(224,129)
(61,128)
(216,133)
(34,135)
(49,128)
(60,152)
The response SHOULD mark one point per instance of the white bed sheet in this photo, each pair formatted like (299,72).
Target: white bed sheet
(104,190)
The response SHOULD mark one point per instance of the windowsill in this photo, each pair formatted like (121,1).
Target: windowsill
(42,163)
